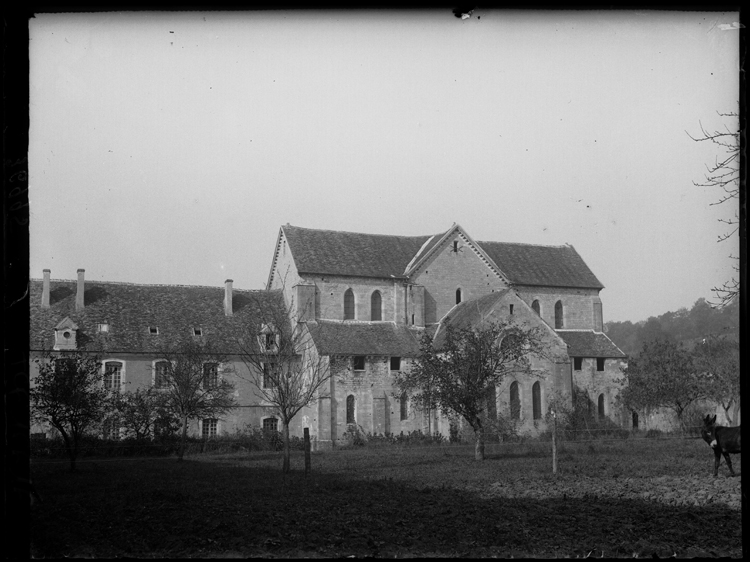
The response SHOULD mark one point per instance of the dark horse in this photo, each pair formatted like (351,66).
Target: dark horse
(723,440)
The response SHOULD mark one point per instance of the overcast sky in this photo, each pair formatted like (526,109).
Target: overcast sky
(170,147)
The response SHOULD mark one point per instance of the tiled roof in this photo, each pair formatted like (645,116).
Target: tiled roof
(587,343)
(364,338)
(552,266)
(377,255)
(468,313)
(130,309)
(348,253)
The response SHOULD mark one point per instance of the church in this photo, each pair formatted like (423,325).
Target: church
(365,300)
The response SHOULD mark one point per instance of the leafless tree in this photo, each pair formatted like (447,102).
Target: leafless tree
(283,363)
(191,375)
(724,174)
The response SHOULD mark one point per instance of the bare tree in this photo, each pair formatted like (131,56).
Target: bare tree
(144,413)
(191,377)
(283,362)
(68,393)
(724,174)
(718,360)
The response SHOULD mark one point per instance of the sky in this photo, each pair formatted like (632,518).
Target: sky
(169,148)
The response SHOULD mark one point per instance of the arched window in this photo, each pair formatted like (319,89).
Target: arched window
(458,296)
(535,307)
(515,402)
(492,403)
(600,406)
(350,409)
(112,375)
(376,306)
(404,407)
(348,305)
(536,399)
(511,347)
(558,315)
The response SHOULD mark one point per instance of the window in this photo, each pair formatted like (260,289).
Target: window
(197,331)
(598,318)
(515,402)
(209,427)
(395,363)
(348,305)
(376,302)
(269,341)
(492,403)
(104,328)
(404,406)
(350,409)
(455,246)
(635,420)
(536,399)
(577,363)
(210,375)
(65,366)
(511,308)
(161,375)
(558,315)
(511,347)
(600,406)
(112,375)
(111,428)
(153,330)
(535,307)
(600,363)
(359,362)
(270,424)
(270,375)
(458,296)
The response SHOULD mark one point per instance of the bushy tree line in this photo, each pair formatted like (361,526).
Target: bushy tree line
(686,326)
(667,374)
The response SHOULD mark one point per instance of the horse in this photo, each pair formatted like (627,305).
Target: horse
(723,440)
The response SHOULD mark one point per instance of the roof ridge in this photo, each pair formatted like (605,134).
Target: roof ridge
(360,233)
(525,244)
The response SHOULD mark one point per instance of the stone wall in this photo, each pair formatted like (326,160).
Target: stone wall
(578,304)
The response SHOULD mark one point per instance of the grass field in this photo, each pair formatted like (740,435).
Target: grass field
(627,498)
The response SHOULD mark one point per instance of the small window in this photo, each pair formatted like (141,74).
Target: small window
(197,331)
(515,402)
(348,305)
(359,362)
(635,419)
(103,328)
(210,375)
(209,427)
(350,414)
(558,315)
(577,363)
(153,330)
(270,341)
(600,363)
(404,406)
(112,375)
(511,309)
(600,406)
(270,375)
(395,363)
(536,400)
(535,307)
(270,424)
(455,246)
(412,319)
(376,306)
(161,376)
(458,296)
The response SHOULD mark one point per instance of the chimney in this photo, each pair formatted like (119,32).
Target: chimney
(79,292)
(228,297)
(45,289)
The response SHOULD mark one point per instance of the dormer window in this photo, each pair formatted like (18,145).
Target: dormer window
(268,339)
(153,330)
(197,331)
(65,335)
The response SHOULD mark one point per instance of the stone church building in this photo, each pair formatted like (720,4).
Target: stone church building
(365,301)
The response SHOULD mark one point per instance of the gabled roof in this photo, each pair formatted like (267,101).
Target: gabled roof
(365,338)
(329,252)
(130,309)
(550,266)
(588,343)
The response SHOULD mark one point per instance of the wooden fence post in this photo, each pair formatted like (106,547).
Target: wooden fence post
(307,450)
(554,443)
